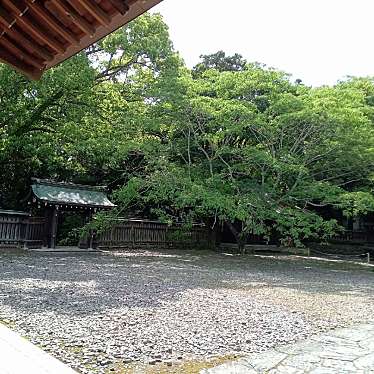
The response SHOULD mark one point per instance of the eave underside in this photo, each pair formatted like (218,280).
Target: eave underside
(36,35)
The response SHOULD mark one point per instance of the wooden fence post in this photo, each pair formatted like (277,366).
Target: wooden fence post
(132,236)
(27,233)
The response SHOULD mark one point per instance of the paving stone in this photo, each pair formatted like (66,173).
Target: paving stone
(342,353)
(327,340)
(230,368)
(324,370)
(354,334)
(339,365)
(365,362)
(306,361)
(300,348)
(368,344)
(264,361)
(283,369)
(331,353)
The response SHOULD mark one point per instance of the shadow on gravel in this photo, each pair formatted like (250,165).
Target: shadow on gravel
(84,284)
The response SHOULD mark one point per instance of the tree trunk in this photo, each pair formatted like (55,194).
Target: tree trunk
(241,242)
(241,246)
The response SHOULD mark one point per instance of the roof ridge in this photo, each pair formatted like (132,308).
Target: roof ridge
(49,182)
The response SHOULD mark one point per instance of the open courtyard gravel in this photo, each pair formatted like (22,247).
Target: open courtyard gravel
(99,312)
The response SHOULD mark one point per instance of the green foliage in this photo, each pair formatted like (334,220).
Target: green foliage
(80,122)
(259,153)
(228,142)
(219,61)
(356,203)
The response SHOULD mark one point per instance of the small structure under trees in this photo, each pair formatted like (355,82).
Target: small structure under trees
(51,201)
(54,198)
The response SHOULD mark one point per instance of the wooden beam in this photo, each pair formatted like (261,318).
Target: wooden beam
(54,225)
(51,21)
(32,28)
(20,38)
(21,55)
(21,67)
(120,5)
(81,22)
(95,11)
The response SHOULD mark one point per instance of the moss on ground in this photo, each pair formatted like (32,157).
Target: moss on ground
(184,367)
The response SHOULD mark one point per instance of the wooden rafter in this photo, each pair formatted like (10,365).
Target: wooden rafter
(20,15)
(22,40)
(70,12)
(52,22)
(120,5)
(96,12)
(38,34)
(21,54)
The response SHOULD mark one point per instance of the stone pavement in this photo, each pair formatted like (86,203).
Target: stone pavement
(343,351)
(19,356)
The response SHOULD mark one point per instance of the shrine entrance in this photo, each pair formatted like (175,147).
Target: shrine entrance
(67,207)
(68,227)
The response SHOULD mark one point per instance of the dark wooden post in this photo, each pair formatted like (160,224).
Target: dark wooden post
(91,233)
(132,235)
(54,228)
(26,235)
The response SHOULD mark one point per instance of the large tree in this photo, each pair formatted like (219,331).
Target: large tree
(258,153)
(80,121)
(227,142)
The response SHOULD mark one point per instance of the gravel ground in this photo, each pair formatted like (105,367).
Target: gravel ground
(96,311)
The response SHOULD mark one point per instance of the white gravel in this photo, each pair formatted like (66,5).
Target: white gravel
(94,311)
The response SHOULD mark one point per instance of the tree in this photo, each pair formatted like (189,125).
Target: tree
(219,61)
(258,153)
(228,142)
(79,122)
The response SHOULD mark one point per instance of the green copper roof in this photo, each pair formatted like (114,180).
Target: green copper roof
(13,213)
(71,194)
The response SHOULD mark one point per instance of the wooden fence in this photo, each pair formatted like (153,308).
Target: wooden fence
(18,229)
(12,228)
(355,236)
(149,234)
(35,232)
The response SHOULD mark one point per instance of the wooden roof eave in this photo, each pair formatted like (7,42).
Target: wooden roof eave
(34,18)
(137,9)
(74,205)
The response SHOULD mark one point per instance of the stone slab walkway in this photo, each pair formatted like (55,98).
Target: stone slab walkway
(342,351)
(19,356)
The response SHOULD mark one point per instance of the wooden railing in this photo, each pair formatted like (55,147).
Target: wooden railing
(140,234)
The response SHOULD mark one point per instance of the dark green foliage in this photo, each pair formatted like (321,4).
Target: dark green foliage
(228,142)
(219,61)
